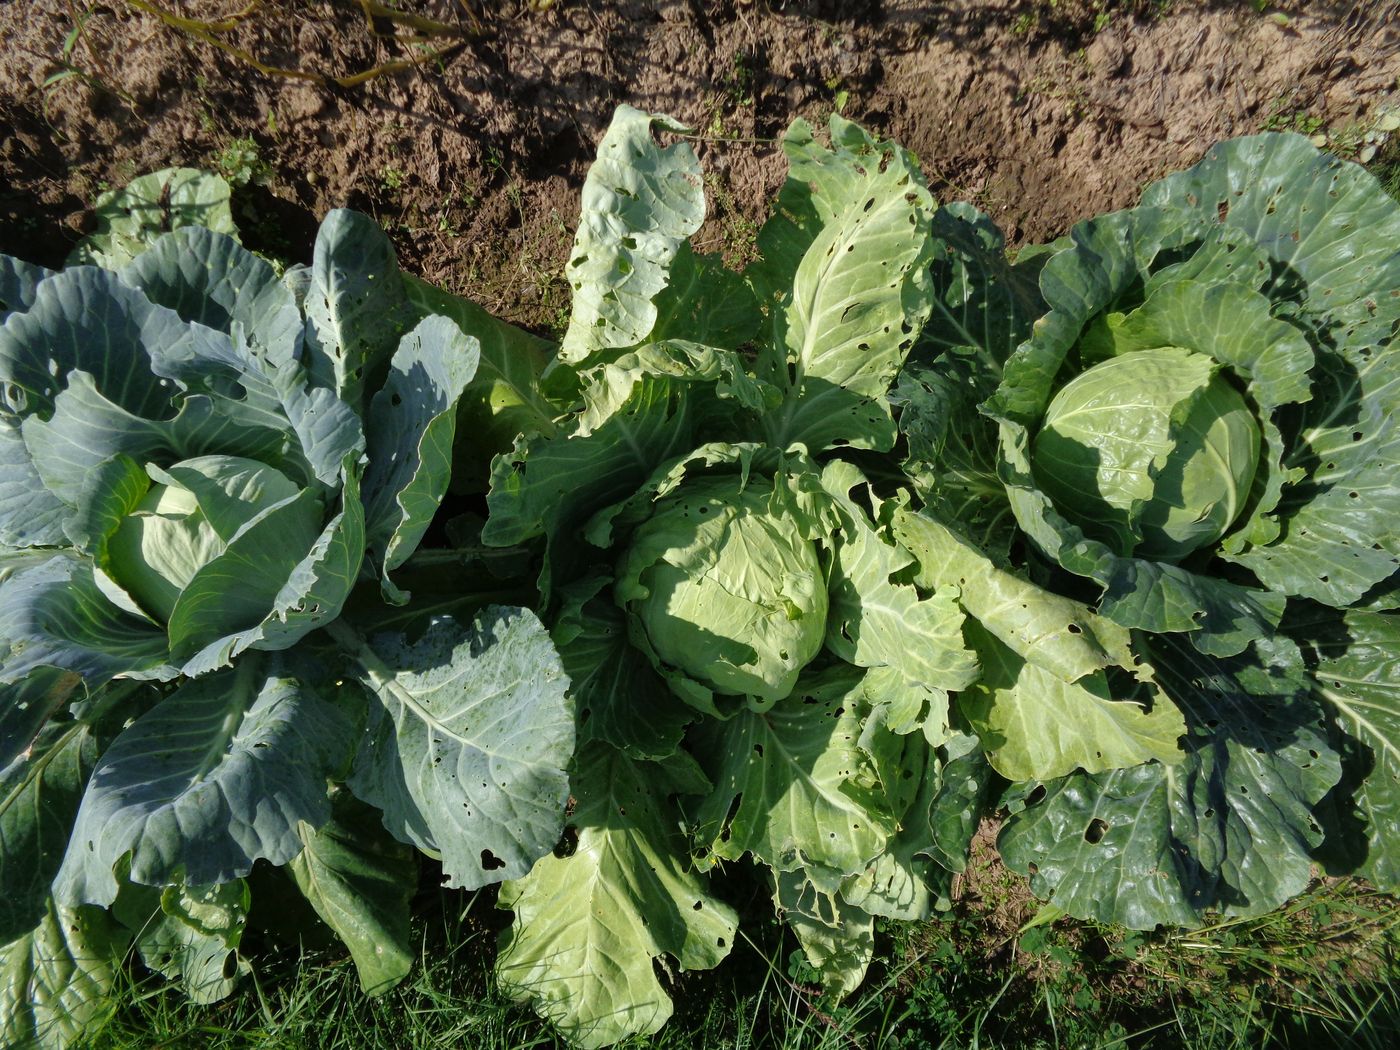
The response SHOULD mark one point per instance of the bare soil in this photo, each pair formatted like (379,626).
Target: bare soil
(1040,112)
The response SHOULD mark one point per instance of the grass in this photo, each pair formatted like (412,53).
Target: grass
(1320,974)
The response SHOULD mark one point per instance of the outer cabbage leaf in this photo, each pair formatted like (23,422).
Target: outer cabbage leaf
(132,218)
(359,880)
(18,281)
(792,785)
(39,796)
(1036,726)
(1229,829)
(705,302)
(1357,676)
(640,203)
(189,933)
(845,274)
(1054,632)
(210,780)
(356,306)
(590,925)
(503,399)
(550,486)
(468,741)
(620,697)
(412,421)
(55,980)
(209,279)
(837,938)
(28,705)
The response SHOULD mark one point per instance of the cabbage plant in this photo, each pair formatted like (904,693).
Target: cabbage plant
(213,479)
(757,678)
(1170,431)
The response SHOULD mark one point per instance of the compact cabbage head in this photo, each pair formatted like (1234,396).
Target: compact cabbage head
(726,588)
(188,516)
(1153,452)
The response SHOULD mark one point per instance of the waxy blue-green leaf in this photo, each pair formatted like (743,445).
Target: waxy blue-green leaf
(56,979)
(133,217)
(1230,829)
(18,281)
(640,203)
(356,306)
(30,515)
(359,879)
(39,796)
(210,279)
(55,615)
(215,777)
(87,320)
(1357,675)
(312,593)
(591,924)
(412,421)
(468,741)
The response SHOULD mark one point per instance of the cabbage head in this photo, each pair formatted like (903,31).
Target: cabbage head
(1153,452)
(725,587)
(1199,421)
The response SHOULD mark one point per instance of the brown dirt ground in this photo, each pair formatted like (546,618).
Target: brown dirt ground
(1041,111)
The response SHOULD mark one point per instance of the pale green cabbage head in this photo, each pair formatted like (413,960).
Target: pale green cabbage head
(1153,452)
(726,588)
(178,528)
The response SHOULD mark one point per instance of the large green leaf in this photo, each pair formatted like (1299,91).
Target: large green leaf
(621,699)
(1230,829)
(132,218)
(640,203)
(551,486)
(55,615)
(311,594)
(1036,726)
(30,515)
(468,743)
(1357,675)
(412,421)
(591,924)
(87,320)
(18,281)
(1056,633)
(356,307)
(876,622)
(55,979)
(210,279)
(844,317)
(705,302)
(189,933)
(39,796)
(792,785)
(215,777)
(838,938)
(27,705)
(504,398)
(360,880)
